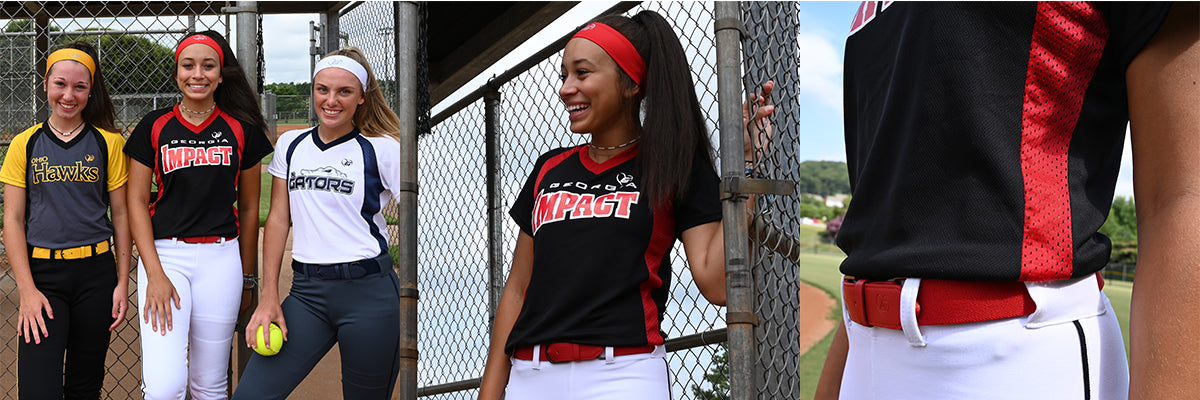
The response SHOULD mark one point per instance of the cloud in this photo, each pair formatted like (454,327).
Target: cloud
(820,71)
(285,47)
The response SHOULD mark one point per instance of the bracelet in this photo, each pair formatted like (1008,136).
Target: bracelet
(249,282)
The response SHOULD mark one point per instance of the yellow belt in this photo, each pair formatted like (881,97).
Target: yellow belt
(73,253)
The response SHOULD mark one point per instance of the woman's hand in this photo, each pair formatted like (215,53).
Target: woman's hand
(30,322)
(268,311)
(160,293)
(120,304)
(757,131)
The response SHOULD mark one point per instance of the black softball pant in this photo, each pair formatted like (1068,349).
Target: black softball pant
(80,293)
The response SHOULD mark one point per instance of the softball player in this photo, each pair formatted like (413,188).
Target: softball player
(331,182)
(581,312)
(203,154)
(984,142)
(60,179)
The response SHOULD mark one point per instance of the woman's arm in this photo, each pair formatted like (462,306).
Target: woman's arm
(830,383)
(274,240)
(249,189)
(123,251)
(160,293)
(29,321)
(1164,110)
(495,372)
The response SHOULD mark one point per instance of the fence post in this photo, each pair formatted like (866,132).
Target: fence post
(739,282)
(405,21)
(491,121)
(270,109)
(41,50)
(247,35)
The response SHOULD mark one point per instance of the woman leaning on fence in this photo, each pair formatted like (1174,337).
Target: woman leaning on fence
(331,182)
(203,154)
(581,311)
(60,179)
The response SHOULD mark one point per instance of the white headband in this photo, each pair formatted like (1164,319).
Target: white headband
(345,63)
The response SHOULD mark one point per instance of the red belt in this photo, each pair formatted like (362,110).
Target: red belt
(939,302)
(564,352)
(203,239)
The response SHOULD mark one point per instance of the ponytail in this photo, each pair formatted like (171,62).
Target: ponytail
(673,133)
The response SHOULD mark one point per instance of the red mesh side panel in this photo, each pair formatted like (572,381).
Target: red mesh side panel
(1068,39)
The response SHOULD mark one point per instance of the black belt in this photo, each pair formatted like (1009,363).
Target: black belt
(350,270)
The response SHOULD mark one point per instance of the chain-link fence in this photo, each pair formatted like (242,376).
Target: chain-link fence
(135,42)
(470,175)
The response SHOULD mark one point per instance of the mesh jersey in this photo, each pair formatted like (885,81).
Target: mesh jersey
(984,139)
(601,261)
(336,192)
(196,169)
(67,184)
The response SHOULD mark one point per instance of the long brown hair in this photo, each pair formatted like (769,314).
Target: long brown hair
(674,135)
(234,95)
(99,111)
(373,117)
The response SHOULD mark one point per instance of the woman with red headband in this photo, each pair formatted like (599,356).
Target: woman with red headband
(581,312)
(73,291)
(204,155)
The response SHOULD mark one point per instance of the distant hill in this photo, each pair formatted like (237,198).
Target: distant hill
(824,178)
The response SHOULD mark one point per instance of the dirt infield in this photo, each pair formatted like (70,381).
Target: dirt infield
(814,316)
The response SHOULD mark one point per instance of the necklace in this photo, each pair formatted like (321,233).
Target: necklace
(184,108)
(619,146)
(60,132)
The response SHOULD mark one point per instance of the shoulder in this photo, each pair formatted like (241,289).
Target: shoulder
(558,153)
(24,136)
(112,138)
(383,143)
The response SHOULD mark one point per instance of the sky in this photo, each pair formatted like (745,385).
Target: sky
(822,37)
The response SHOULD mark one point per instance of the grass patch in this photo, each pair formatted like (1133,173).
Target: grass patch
(1119,294)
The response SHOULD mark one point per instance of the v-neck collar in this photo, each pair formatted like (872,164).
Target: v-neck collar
(316,137)
(46,130)
(599,168)
(195,128)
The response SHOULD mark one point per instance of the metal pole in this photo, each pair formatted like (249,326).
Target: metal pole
(329,31)
(739,282)
(314,51)
(491,121)
(406,18)
(41,49)
(247,45)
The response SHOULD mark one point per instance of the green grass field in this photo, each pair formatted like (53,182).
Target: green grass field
(822,271)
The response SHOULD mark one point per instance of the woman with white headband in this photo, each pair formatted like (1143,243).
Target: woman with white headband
(204,154)
(331,182)
(73,291)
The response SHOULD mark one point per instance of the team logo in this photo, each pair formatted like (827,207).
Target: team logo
(347,162)
(589,27)
(321,179)
(42,171)
(626,180)
(89,157)
(174,158)
(217,134)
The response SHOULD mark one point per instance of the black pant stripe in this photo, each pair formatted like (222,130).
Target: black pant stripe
(1087,383)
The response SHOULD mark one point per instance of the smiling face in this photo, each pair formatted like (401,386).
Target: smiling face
(593,90)
(337,94)
(198,73)
(68,85)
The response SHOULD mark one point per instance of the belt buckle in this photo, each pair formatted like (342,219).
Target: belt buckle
(72,254)
(328,272)
(567,352)
(854,299)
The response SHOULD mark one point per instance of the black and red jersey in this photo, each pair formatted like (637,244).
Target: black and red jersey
(196,169)
(601,256)
(984,139)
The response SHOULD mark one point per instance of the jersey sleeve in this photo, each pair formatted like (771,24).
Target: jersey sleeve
(13,171)
(118,162)
(138,147)
(257,145)
(388,156)
(702,202)
(1132,24)
(522,209)
(279,163)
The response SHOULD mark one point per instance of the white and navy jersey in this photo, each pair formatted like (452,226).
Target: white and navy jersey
(336,192)
(601,256)
(196,169)
(984,139)
(67,184)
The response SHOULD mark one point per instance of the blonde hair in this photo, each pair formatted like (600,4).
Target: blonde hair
(373,117)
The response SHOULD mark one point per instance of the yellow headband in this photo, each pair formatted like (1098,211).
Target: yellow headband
(73,55)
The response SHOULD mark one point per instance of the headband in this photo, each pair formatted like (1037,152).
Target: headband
(73,55)
(618,47)
(204,40)
(345,63)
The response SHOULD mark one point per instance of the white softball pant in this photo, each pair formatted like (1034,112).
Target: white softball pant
(629,377)
(1070,348)
(195,353)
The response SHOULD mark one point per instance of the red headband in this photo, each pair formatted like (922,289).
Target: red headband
(204,40)
(617,47)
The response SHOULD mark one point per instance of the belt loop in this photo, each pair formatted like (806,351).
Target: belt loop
(609,358)
(537,357)
(908,312)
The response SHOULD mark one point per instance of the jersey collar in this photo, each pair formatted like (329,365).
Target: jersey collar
(599,168)
(326,146)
